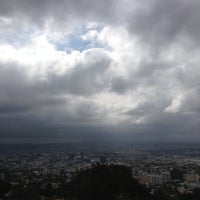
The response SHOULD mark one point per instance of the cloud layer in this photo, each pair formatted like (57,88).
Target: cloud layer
(76,70)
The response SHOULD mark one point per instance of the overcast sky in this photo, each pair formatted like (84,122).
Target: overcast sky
(73,70)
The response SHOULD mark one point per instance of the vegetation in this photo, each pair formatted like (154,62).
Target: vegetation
(4,188)
(112,182)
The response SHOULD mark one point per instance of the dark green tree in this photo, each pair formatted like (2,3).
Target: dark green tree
(4,188)
(106,182)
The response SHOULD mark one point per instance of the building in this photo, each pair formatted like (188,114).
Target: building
(150,179)
(191,178)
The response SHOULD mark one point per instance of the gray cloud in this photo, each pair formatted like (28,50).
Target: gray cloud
(84,78)
(160,24)
(46,92)
(40,11)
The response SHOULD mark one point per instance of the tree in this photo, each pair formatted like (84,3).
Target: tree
(4,188)
(113,182)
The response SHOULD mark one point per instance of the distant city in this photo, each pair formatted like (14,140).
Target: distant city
(177,168)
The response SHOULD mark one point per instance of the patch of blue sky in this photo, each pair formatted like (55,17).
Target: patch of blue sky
(75,41)
(72,42)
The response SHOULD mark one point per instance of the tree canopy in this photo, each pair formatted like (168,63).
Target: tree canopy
(113,182)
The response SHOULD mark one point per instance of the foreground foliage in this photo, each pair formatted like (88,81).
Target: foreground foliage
(106,182)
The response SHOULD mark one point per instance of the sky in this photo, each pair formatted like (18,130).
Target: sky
(110,70)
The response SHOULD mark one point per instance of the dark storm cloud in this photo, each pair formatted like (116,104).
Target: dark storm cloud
(18,93)
(147,74)
(40,11)
(160,23)
(30,107)
(100,91)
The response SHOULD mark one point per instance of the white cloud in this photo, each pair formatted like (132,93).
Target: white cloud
(175,105)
